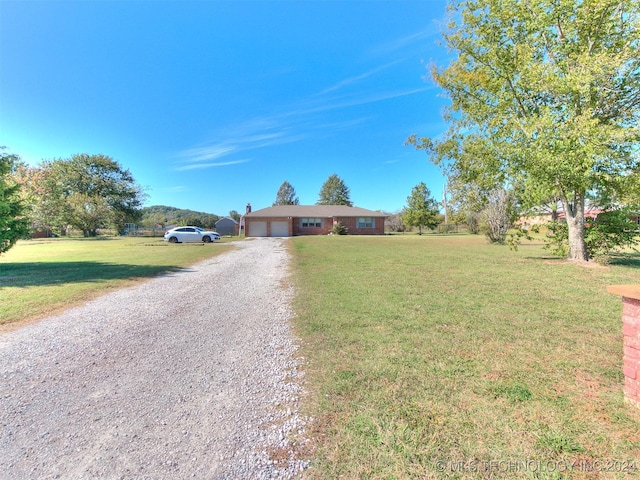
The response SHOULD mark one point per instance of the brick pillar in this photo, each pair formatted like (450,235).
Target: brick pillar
(631,340)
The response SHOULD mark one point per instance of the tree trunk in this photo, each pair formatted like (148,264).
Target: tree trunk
(574,213)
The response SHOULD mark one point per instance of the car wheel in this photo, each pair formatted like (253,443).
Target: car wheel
(206,239)
(173,240)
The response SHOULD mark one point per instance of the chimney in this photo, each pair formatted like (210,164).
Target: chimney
(248,208)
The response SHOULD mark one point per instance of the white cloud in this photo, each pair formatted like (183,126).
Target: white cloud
(363,99)
(194,166)
(244,137)
(402,43)
(296,122)
(357,78)
(209,152)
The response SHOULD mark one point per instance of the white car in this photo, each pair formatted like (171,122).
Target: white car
(190,234)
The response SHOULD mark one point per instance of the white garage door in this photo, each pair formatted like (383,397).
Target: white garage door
(280,229)
(257,229)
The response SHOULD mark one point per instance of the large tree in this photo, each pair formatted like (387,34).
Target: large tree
(422,210)
(13,222)
(334,192)
(286,195)
(544,94)
(90,192)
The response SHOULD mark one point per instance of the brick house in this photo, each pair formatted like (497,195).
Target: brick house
(293,220)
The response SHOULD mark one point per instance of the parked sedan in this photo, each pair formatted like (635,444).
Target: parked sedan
(190,234)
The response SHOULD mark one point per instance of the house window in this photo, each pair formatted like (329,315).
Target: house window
(365,222)
(311,222)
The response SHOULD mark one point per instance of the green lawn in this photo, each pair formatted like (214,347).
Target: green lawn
(425,357)
(39,277)
(446,357)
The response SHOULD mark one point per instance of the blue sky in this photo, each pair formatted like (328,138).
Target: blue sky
(213,104)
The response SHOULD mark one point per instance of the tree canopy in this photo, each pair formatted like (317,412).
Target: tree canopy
(422,210)
(334,192)
(86,192)
(13,223)
(545,95)
(286,195)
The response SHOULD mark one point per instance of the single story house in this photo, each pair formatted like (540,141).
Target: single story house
(227,226)
(293,220)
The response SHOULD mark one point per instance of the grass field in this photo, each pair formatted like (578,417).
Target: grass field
(39,277)
(446,357)
(425,357)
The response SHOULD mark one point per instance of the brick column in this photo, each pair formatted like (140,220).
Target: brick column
(631,340)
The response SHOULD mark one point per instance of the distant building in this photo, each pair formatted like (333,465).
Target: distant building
(227,226)
(542,216)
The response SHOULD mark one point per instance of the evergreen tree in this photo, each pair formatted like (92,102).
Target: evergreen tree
(286,195)
(421,210)
(334,192)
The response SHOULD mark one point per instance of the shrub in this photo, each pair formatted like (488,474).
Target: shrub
(473,222)
(609,231)
(498,216)
(338,229)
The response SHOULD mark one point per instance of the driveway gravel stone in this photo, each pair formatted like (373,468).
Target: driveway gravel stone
(192,374)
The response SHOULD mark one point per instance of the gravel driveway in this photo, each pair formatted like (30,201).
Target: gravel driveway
(190,375)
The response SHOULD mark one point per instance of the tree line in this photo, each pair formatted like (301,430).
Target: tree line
(334,191)
(83,193)
(92,192)
(161,215)
(544,109)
